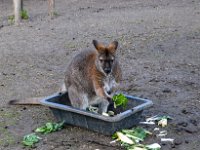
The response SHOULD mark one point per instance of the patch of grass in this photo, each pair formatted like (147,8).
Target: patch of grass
(24,15)
(7,138)
(7,119)
(5,114)
(55,13)
(11,19)
(70,45)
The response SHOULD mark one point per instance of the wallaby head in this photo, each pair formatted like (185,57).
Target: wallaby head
(105,56)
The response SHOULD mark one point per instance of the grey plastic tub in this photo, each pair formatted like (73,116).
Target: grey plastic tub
(60,106)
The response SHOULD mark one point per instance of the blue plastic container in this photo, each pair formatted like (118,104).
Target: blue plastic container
(60,106)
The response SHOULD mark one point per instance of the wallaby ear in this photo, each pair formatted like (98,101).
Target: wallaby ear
(112,47)
(99,47)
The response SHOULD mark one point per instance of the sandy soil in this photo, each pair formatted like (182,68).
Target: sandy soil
(159,52)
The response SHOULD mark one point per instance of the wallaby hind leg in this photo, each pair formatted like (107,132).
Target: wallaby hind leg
(78,100)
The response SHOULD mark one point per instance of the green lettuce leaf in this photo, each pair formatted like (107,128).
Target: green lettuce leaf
(50,127)
(120,100)
(30,139)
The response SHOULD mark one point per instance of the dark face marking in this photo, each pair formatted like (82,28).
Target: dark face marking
(106,60)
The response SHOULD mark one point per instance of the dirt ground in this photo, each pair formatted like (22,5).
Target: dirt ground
(159,52)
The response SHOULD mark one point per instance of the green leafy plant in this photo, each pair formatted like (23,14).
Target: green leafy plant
(11,19)
(24,14)
(138,134)
(120,100)
(50,127)
(30,139)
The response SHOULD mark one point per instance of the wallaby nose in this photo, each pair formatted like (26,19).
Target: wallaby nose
(109,92)
(107,70)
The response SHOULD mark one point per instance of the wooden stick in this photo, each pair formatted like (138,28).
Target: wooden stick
(17,9)
(51,6)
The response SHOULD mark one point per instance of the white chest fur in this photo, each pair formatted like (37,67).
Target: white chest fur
(110,84)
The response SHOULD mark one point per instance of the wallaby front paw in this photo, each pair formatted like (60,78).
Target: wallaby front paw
(103,106)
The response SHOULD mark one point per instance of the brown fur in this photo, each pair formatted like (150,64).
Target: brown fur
(86,79)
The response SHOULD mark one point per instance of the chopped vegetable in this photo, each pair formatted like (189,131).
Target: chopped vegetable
(138,132)
(162,133)
(50,127)
(167,140)
(147,123)
(93,109)
(156,129)
(111,113)
(137,147)
(120,100)
(30,139)
(131,138)
(162,120)
(124,138)
(154,146)
(105,114)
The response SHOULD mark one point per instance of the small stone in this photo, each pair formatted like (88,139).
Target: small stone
(173,146)
(191,128)
(163,144)
(183,124)
(186,141)
(179,130)
(49,69)
(5,74)
(5,145)
(166,90)
(154,80)
(194,122)
(24,108)
(184,111)
(178,141)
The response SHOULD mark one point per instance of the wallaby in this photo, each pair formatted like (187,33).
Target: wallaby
(92,77)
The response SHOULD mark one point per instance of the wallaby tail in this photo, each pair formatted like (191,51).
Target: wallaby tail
(27,101)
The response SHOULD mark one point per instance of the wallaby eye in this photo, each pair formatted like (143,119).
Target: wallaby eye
(112,60)
(101,60)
